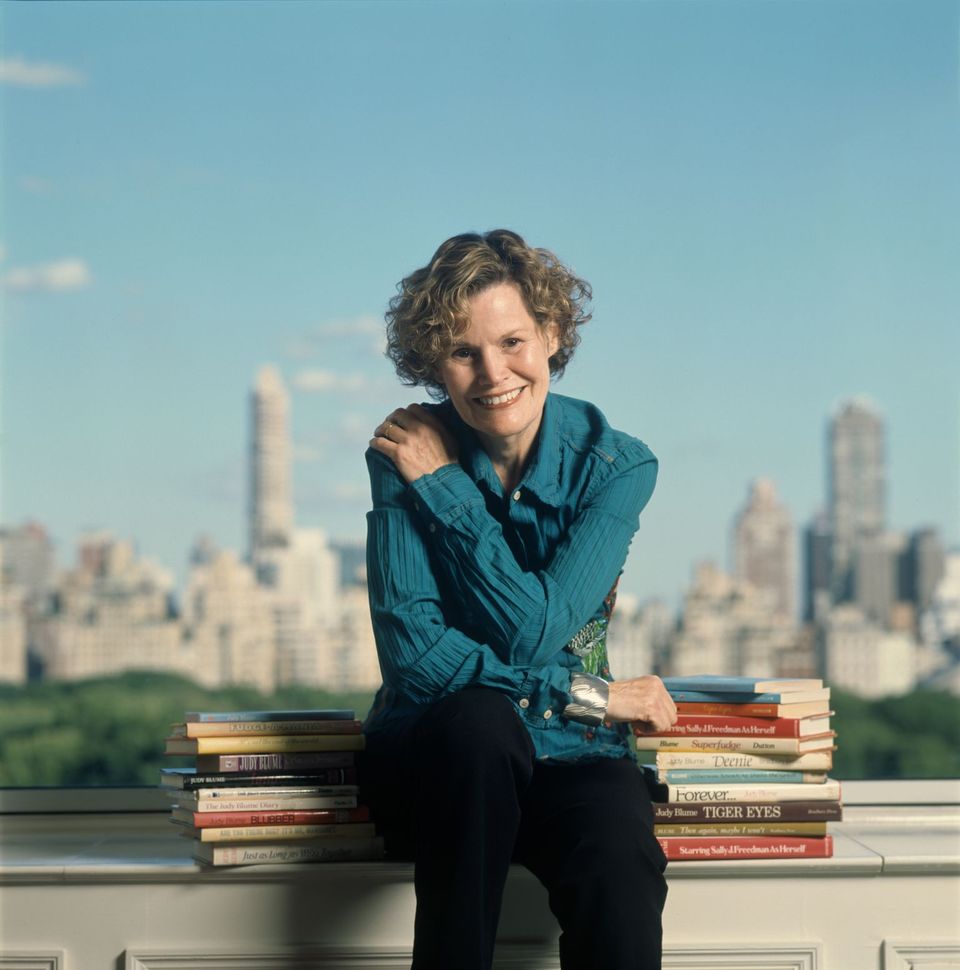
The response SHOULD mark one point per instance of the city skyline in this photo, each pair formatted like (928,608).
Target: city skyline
(762,195)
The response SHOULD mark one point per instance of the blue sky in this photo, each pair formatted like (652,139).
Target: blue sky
(764,196)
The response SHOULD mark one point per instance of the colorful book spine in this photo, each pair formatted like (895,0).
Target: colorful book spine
(184,779)
(332,850)
(734,697)
(737,709)
(787,746)
(702,830)
(826,791)
(715,760)
(741,685)
(279,761)
(266,803)
(748,811)
(265,743)
(225,729)
(304,714)
(678,849)
(296,817)
(279,833)
(718,725)
(736,776)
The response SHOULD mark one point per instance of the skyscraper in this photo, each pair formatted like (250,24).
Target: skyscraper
(857,487)
(763,547)
(271,502)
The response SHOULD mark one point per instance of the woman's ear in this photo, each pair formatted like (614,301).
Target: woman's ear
(551,334)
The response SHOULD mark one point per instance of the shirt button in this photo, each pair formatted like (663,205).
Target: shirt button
(433,527)
(547,714)
(524,702)
(516,495)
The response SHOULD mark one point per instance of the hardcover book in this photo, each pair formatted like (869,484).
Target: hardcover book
(748,811)
(225,729)
(740,685)
(703,829)
(330,850)
(319,816)
(719,725)
(278,761)
(739,709)
(267,743)
(281,833)
(733,776)
(716,760)
(682,694)
(304,714)
(200,802)
(678,849)
(731,744)
(187,779)
(828,790)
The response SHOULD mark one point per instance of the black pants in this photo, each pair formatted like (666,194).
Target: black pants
(463,796)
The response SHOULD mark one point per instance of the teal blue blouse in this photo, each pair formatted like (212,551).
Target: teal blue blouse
(471,587)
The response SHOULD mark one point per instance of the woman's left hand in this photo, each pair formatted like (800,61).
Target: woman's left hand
(416,442)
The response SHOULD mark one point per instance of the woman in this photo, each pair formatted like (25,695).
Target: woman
(501,521)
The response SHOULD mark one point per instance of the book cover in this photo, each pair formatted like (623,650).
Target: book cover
(685,695)
(331,850)
(715,760)
(699,830)
(278,761)
(828,790)
(746,847)
(730,744)
(740,685)
(187,779)
(267,743)
(733,776)
(319,816)
(226,729)
(197,802)
(304,714)
(721,725)
(280,833)
(265,791)
(748,811)
(738,709)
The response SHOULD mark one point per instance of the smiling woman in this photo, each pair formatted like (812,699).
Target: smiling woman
(501,520)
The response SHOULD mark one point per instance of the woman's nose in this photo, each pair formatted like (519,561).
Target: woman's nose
(491,367)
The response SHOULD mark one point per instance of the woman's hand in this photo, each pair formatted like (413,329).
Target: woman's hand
(415,441)
(644,701)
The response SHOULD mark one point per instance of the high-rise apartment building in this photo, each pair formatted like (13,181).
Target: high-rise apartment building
(763,547)
(816,568)
(857,487)
(271,500)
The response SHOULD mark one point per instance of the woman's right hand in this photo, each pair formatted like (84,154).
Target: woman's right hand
(416,441)
(644,701)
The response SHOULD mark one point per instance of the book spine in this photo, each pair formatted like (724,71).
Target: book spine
(349,850)
(333,714)
(728,829)
(739,776)
(714,761)
(789,746)
(333,776)
(695,708)
(221,729)
(266,833)
(826,791)
(740,685)
(269,804)
(718,725)
(295,817)
(735,697)
(748,811)
(266,744)
(289,761)
(747,847)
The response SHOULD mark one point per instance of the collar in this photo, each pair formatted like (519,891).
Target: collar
(542,476)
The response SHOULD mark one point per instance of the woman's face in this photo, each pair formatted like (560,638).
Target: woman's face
(497,374)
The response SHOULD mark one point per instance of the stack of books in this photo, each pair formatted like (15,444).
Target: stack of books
(743,774)
(269,787)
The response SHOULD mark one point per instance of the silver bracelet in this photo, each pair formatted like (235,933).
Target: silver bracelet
(590,696)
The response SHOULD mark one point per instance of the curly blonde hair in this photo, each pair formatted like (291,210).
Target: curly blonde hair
(429,312)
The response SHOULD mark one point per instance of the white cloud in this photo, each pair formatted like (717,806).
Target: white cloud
(355,332)
(317,380)
(37,74)
(36,185)
(60,276)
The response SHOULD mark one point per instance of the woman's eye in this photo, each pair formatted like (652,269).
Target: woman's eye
(512,342)
(461,353)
